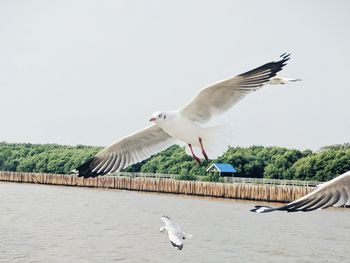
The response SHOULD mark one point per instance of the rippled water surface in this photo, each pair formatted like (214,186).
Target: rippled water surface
(40,223)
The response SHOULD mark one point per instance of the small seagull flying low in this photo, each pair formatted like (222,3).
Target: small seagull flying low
(335,192)
(176,236)
(185,124)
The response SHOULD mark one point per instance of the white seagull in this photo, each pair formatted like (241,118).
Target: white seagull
(176,236)
(281,80)
(335,192)
(185,124)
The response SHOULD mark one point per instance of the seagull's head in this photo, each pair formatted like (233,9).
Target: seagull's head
(158,117)
(162,229)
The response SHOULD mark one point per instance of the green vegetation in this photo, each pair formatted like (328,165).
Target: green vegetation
(255,161)
(45,158)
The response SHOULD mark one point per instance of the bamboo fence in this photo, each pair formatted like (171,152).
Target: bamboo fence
(261,192)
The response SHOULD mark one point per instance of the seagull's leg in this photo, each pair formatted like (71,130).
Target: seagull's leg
(203,151)
(194,156)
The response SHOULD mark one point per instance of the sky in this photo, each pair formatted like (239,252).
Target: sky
(88,72)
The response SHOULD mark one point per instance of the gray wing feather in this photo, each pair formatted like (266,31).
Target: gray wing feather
(170,224)
(126,151)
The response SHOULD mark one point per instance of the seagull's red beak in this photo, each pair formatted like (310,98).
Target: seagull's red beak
(152,119)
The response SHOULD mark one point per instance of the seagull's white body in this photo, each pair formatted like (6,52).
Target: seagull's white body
(335,192)
(281,81)
(180,127)
(185,125)
(176,236)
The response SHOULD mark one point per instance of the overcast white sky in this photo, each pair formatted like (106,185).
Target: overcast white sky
(89,72)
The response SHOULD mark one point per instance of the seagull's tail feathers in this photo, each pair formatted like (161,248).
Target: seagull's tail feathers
(216,140)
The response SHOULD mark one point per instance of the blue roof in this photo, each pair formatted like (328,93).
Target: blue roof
(224,167)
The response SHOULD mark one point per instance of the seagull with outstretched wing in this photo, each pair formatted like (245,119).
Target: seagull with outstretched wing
(185,124)
(176,236)
(281,80)
(335,192)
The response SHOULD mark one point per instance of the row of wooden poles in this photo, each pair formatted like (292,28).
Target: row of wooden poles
(272,193)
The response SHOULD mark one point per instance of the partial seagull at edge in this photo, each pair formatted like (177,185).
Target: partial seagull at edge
(335,192)
(176,236)
(185,124)
(281,80)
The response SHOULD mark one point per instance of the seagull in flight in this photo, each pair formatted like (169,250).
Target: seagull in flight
(281,80)
(335,192)
(176,236)
(185,124)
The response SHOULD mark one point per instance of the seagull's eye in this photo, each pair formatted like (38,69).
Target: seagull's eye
(164,117)
(160,116)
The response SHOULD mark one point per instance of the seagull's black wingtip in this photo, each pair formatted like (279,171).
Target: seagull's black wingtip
(255,208)
(259,73)
(179,247)
(285,55)
(85,169)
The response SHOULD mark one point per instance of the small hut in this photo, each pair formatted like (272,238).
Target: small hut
(225,169)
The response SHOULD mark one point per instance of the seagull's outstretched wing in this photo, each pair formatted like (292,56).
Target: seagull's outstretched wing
(335,192)
(131,149)
(175,240)
(219,97)
(170,224)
